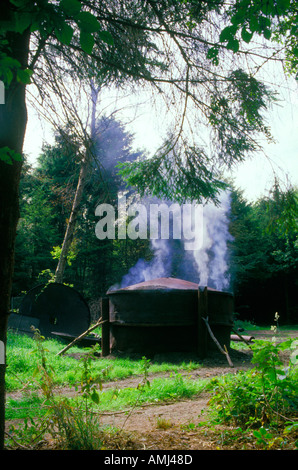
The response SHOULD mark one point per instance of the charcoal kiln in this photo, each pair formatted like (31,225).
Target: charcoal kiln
(53,308)
(166,315)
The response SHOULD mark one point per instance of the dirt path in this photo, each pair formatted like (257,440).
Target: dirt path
(169,426)
(174,425)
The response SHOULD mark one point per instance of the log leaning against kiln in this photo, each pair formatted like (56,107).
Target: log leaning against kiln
(166,315)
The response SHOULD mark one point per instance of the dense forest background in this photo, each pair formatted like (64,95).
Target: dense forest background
(262,251)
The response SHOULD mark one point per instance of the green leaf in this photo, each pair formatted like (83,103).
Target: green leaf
(294,357)
(23,76)
(5,158)
(87,22)
(65,34)
(227,33)
(71,7)
(106,37)
(7,61)
(246,35)
(22,21)
(267,33)
(233,45)
(95,396)
(86,41)
(253,24)
(282,6)
(8,76)
(212,54)
(7,155)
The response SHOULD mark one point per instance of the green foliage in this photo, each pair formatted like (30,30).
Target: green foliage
(264,254)
(239,105)
(10,67)
(71,255)
(75,425)
(73,428)
(47,193)
(262,400)
(174,174)
(48,17)
(7,155)
(22,358)
(158,390)
(45,372)
(89,382)
(274,20)
(65,19)
(264,397)
(282,209)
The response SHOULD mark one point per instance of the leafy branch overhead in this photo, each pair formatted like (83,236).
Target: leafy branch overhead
(275,20)
(215,107)
(58,19)
(63,20)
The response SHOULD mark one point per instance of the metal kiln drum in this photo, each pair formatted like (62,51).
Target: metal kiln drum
(150,321)
(162,316)
(54,307)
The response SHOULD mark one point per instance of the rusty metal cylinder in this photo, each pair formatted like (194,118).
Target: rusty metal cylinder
(162,315)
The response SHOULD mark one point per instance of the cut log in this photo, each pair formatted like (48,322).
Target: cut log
(245,339)
(100,322)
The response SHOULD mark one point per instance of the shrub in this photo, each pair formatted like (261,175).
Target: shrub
(263,396)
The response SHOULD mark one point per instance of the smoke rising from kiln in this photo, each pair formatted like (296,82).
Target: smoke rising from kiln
(212,259)
(206,264)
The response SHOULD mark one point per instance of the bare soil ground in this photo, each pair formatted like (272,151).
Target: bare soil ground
(176,425)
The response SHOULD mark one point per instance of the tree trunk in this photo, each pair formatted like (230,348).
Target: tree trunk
(85,164)
(70,229)
(13,120)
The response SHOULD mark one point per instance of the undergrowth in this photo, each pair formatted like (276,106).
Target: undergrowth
(264,400)
(259,406)
(74,423)
(22,357)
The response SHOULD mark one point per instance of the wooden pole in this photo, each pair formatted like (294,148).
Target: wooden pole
(245,339)
(105,331)
(201,327)
(223,351)
(100,322)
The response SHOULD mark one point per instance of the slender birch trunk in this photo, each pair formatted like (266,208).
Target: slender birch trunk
(85,166)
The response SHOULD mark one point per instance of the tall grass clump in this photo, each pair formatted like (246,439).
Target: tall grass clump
(264,398)
(22,357)
(69,422)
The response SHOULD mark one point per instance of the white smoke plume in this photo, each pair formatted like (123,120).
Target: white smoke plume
(213,256)
(207,264)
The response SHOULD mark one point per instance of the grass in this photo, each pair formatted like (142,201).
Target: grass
(236,397)
(22,359)
(159,390)
(29,405)
(22,376)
